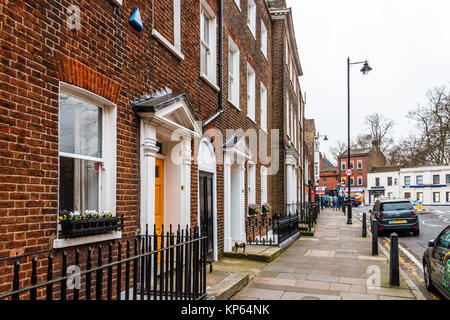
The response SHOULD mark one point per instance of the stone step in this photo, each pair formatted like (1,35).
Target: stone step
(228,287)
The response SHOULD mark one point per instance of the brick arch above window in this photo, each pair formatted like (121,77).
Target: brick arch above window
(78,74)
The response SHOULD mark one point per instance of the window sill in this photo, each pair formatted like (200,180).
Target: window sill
(265,56)
(64,243)
(167,44)
(251,119)
(251,31)
(234,105)
(213,85)
(237,6)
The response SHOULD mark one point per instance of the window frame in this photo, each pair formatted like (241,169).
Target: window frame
(234,76)
(264,40)
(251,183)
(263,103)
(417,179)
(264,191)
(438,178)
(358,181)
(211,57)
(389,181)
(251,94)
(407,178)
(434,197)
(251,17)
(288,114)
(343,165)
(359,164)
(107,171)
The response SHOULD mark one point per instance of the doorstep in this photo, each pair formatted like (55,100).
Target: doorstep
(225,284)
(256,253)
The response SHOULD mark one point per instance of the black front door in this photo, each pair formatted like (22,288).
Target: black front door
(206,208)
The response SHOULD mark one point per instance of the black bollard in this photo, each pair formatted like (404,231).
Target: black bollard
(343,207)
(374,238)
(364,229)
(394,273)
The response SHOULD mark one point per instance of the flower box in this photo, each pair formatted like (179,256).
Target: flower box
(265,209)
(88,227)
(253,209)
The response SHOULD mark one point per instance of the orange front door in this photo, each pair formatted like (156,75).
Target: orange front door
(159,195)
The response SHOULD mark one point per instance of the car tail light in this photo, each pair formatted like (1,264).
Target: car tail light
(381,215)
(413,213)
(380,227)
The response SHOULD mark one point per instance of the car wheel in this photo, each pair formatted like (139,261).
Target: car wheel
(427,277)
(416,232)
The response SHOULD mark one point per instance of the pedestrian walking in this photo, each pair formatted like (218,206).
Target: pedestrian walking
(326,201)
(340,201)
(335,202)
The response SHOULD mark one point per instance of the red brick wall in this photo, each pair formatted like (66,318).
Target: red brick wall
(106,56)
(356,172)
(331,178)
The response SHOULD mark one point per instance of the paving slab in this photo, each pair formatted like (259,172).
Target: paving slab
(334,264)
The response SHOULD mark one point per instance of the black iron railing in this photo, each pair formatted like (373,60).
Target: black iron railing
(264,230)
(168,266)
(308,215)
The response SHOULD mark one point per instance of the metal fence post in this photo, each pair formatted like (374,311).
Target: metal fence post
(364,228)
(374,238)
(394,272)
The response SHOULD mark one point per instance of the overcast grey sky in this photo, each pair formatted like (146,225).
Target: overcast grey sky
(407,43)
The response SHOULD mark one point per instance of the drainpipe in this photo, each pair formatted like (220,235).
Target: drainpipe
(220,100)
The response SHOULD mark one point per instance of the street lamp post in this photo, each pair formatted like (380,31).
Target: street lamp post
(365,69)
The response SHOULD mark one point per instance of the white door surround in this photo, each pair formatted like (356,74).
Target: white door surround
(206,160)
(172,123)
(234,193)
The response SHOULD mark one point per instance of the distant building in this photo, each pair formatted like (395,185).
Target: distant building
(383,182)
(329,175)
(429,184)
(361,162)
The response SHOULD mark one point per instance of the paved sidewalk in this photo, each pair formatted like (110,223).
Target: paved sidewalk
(332,265)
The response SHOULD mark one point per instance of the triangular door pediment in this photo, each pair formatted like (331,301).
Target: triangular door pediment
(180,116)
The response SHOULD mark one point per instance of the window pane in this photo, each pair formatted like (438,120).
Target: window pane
(78,185)
(80,127)
(204,59)
(205,28)
(436,179)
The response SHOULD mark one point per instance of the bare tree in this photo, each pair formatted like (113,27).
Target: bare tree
(380,129)
(337,149)
(433,123)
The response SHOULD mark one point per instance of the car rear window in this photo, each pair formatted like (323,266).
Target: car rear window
(393,206)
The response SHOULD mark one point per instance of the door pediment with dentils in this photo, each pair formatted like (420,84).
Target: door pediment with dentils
(163,108)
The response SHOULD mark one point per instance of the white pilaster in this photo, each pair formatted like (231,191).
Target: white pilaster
(186,183)
(148,153)
(227,204)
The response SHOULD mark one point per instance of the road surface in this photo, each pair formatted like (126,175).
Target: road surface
(412,247)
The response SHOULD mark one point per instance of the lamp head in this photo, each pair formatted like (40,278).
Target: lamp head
(325,139)
(366,68)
